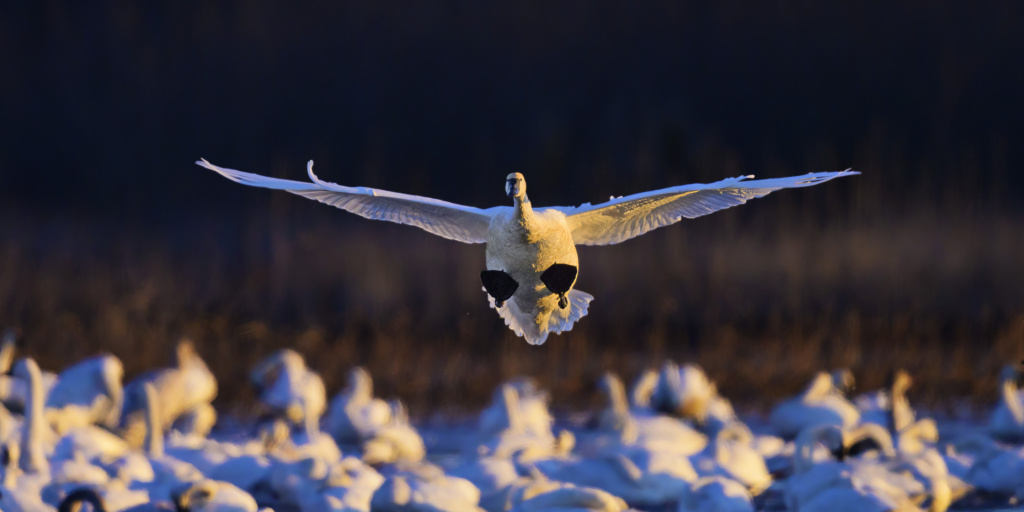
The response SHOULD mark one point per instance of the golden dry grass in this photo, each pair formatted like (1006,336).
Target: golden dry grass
(760,304)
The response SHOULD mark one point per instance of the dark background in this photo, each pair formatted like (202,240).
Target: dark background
(111,239)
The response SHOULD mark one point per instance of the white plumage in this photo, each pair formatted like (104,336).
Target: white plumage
(523,242)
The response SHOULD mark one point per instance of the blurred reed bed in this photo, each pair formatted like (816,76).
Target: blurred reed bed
(760,298)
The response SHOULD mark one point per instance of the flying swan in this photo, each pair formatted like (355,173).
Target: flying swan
(531,253)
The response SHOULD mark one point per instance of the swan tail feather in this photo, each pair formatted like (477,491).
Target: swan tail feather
(561,320)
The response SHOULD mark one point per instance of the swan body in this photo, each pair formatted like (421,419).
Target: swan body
(653,432)
(213,496)
(288,388)
(998,469)
(185,388)
(350,486)
(514,434)
(1007,422)
(495,477)
(523,242)
(820,404)
(716,494)
(875,478)
(572,498)
(888,407)
(731,455)
(87,393)
(684,391)
(354,414)
(531,412)
(425,489)
(638,476)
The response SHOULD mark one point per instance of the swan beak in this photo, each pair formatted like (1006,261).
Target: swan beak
(512,187)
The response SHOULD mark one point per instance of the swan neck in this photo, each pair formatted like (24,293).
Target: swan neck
(819,388)
(362,386)
(1012,400)
(510,397)
(942,495)
(875,432)
(617,397)
(644,389)
(523,207)
(33,459)
(154,429)
(112,382)
(7,352)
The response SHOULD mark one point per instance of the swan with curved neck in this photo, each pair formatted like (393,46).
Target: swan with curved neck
(532,406)
(643,389)
(822,403)
(290,390)
(617,417)
(1007,421)
(531,257)
(901,415)
(731,455)
(643,430)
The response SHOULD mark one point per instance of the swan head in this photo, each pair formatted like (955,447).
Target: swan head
(899,381)
(843,381)
(830,436)
(1011,372)
(515,186)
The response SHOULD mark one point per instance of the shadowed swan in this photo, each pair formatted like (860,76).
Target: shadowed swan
(531,253)
(86,393)
(822,403)
(872,481)
(716,494)
(1007,422)
(288,388)
(655,433)
(354,414)
(889,407)
(532,409)
(186,388)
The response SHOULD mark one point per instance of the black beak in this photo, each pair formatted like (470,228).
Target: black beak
(511,186)
(841,453)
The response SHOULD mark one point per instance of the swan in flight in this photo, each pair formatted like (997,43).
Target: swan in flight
(531,252)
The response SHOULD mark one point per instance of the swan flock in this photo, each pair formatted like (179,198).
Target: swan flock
(532,263)
(670,443)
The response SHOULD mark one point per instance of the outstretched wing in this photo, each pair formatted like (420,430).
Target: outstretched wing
(627,217)
(453,221)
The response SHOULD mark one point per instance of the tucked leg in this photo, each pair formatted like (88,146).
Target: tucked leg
(499,285)
(559,278)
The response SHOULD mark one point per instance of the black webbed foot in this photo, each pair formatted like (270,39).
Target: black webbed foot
(559,278)
(499,285)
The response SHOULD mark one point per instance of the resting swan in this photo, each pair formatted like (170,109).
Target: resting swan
(531,253)
(1007,422)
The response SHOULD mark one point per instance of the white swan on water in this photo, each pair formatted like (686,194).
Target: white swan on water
(531,253)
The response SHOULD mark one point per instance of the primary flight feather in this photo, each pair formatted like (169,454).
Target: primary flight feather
(531,253)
